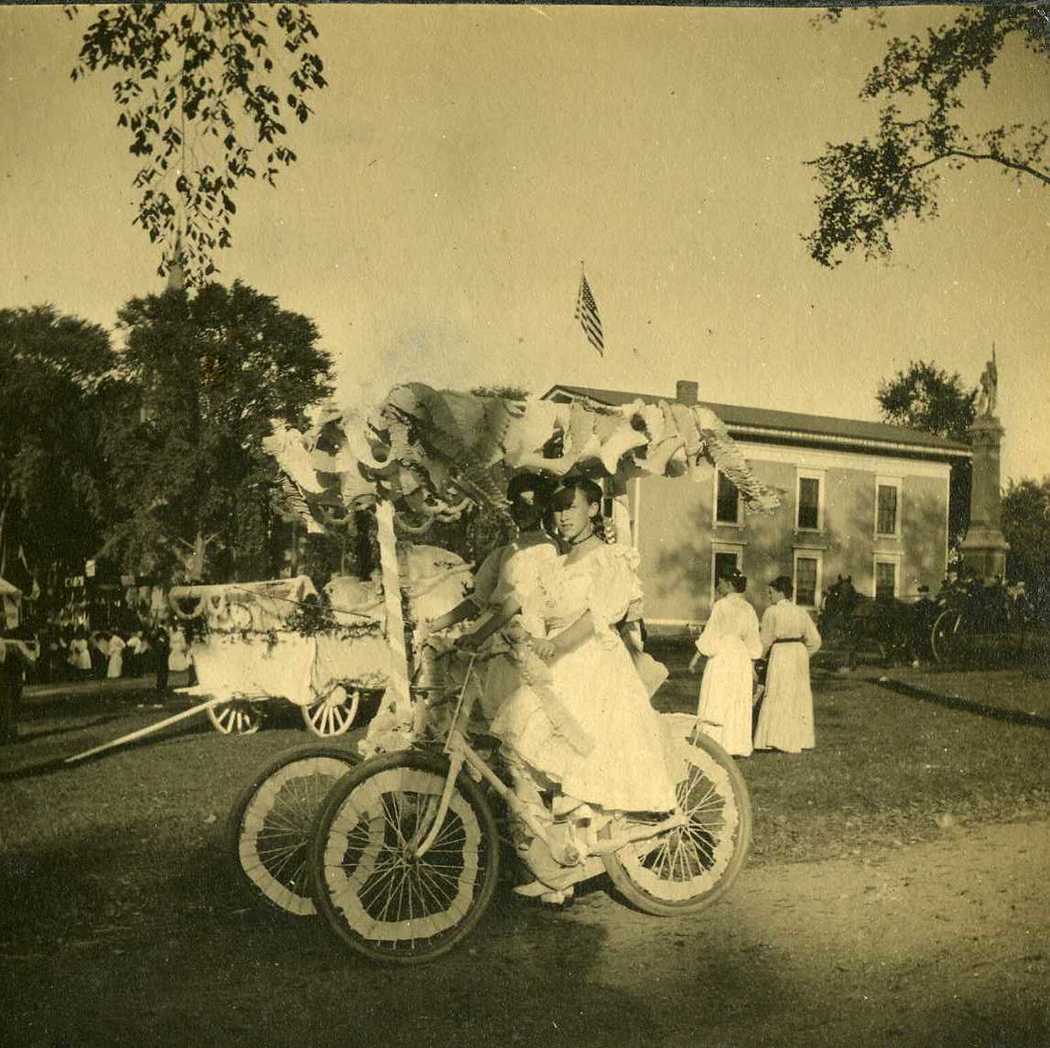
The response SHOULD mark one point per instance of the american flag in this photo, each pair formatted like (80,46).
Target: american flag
(587,315)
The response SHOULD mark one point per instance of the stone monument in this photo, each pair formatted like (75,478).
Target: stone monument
(984,548)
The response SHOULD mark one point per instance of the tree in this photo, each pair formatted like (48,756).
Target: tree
(204,374)
(52,476)
(868,186)
(928,398)
(204,93)
(1026,525)
(933,400)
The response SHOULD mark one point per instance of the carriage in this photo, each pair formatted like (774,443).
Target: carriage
(966,621)
(255,642)
(972,622)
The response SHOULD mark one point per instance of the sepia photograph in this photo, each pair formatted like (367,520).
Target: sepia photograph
(524,524)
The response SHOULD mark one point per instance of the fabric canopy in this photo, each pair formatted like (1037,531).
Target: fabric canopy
(434,453)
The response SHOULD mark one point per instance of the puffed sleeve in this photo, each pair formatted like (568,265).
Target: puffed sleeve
(810,634)
(517,577)
(709,641)
(750,634)
(614,587)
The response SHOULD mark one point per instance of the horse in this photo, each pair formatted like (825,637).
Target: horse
(854,621)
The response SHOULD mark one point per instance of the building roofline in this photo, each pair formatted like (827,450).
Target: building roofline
(796,427)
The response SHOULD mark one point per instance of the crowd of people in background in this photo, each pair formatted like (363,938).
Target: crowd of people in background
(79,654)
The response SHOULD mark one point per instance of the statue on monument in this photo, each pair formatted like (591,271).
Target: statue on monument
(986,399)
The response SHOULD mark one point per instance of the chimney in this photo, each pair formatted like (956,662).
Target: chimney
(687,392)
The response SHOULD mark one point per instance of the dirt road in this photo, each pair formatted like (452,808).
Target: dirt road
(938,944)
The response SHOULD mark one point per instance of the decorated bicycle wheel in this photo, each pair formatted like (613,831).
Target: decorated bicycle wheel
(687,868)
(333,714)
(269,827)
(376,894)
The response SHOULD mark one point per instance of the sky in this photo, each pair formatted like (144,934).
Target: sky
(465,160)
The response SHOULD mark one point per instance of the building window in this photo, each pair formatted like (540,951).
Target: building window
(886,576)
(807,578)
(887,507)
(727,500)
(810,501)
(723,561)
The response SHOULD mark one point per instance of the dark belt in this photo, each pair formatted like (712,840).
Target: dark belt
(789,640)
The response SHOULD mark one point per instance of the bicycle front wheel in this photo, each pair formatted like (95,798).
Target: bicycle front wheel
(374,893)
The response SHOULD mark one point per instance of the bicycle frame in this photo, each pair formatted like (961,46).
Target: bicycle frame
(461,753)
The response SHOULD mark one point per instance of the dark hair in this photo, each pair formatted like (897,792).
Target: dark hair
(736,578)
(783,584)
(565,491)
(525,509)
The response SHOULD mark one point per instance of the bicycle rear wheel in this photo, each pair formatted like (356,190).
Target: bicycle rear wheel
(688,868)
(269,827)
(374,893)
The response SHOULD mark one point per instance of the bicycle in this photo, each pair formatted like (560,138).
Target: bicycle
(404,854)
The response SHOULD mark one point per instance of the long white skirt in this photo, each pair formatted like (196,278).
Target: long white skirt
(724,709)
(627,768)
(785,721)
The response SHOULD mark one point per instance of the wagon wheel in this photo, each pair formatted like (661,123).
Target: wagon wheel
(236,717)
(333,713)
(944,636)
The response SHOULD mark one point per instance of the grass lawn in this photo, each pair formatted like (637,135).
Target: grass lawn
(887,769)
(137,835)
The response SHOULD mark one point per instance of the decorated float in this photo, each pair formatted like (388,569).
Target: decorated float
(421,457)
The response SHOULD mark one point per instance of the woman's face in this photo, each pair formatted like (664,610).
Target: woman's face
(724,587)
(574,520)
(773,594)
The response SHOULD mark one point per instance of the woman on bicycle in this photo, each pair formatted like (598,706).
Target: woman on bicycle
(609,756)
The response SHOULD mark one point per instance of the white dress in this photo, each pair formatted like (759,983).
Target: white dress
(624,764)
(502,575)
(785,721)
(730,641)
(179,654)
(79,655)
(115,667)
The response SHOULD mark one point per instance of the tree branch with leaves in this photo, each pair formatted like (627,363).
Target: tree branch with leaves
(869,185)
(206,92)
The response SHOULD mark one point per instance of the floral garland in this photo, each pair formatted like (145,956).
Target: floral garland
(308,620)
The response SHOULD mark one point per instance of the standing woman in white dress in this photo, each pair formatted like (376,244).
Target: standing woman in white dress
(789,638)
(731,642)
(115,664)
